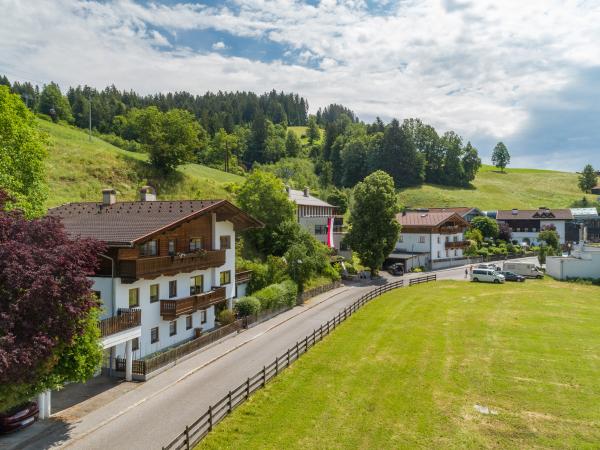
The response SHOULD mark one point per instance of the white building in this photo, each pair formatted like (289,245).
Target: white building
(584,262)
(525,225)
(313,214)
(168,268)
(433,240)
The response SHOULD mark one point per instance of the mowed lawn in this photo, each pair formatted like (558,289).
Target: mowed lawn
(492,190)
(409,369)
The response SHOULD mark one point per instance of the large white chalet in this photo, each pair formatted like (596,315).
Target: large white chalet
(169,267)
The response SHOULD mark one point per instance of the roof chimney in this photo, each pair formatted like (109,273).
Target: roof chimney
(147,194)
(515,211)
(306,191)
(109,196)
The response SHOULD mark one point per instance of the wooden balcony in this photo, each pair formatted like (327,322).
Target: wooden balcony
(153,267)
(173,308)
(451,229)
(457,244)
(126,319)
(243,276)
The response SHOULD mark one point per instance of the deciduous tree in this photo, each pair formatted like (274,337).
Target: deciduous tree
(374,228)
(22,154)
(486,225)
(588,178)
(500,156)
(48,315)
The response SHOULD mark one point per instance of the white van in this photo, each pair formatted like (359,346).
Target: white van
(525,269)
(487,275)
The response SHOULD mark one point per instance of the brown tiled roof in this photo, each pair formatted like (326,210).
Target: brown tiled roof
(425,218)
(534,214)
(124,223)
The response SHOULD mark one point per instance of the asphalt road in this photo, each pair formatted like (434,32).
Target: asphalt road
(158,410)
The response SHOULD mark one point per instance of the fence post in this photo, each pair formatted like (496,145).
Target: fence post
(187,437)
(248,388)
(210,418)
(306,344)
(277,365)
(314,336)
(297,350)
(288,357)
(229,401)
(264,383)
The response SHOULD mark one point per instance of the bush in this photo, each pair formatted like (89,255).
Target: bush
(277,295)
(226,317)
(247,306)
(118,141)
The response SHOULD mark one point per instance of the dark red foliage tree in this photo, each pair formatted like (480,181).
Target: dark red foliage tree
(504,232)
(45,296)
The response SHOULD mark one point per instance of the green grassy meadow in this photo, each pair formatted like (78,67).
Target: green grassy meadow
(408,370)
(78,169)
(516,188)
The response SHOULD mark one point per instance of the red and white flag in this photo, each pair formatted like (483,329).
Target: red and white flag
(330,232)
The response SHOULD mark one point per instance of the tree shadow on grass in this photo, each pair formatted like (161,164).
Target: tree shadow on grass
(146,174)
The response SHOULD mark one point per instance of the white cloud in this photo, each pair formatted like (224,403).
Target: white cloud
(474,67)
(219,46)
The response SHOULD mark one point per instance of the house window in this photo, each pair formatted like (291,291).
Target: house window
(400,238)
(447,254)
(134,297)
(225,242)
(195,244)
(438,239)
(197,284)
(172,327)
(154,335)
(320,229)
(225,277)
(421,239)
(455,252)
(455,238)
(149,248)
(447,238)
(154,292)
(135,344)
(98,294)
(172,288)
(203,316)
(188,322)
(439,255)
(172,248)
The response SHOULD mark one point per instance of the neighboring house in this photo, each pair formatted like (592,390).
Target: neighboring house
(583,262)
(170,262)
(585,225)
(431,239)
(465,212)
(527,224)
(596,190)
(314,214)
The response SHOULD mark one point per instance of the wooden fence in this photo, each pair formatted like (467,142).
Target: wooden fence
(424,279)
(195,432)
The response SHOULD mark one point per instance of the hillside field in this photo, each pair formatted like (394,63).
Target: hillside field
(450,364)
(492,190)
(78,170)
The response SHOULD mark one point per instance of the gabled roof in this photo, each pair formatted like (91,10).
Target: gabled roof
(534,214)
(427,218)
(125,223)
(299,198)
(462,210)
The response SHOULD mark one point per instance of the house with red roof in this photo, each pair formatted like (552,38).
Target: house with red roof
(168,269)
(432,239)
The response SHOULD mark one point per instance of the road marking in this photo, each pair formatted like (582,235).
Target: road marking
(77,438)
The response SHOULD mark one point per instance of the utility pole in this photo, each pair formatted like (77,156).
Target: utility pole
(90,114)
(226,155)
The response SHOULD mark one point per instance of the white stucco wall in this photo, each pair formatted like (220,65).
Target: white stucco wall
(533,235)
(434,243)
(584,263)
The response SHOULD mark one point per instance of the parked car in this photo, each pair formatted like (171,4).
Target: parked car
(487,275)
(396,269)
(18,417)
(529,270)
(511,276)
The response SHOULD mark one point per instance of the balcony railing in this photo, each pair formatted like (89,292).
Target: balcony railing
(126,319)
(243,276)
(170,265)
(172,308)
(457,244)
(451,229)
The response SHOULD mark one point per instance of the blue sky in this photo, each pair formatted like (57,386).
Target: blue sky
(526,73)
